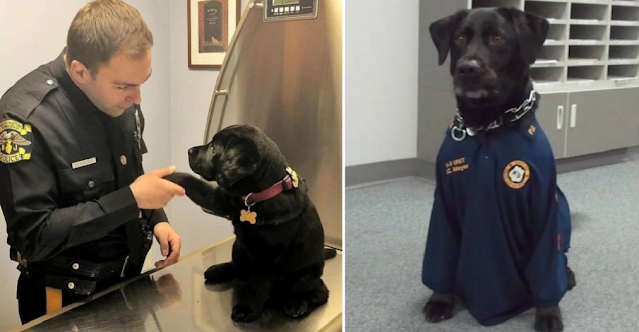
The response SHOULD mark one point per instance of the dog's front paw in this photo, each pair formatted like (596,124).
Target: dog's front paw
(178,177)
(549,320)
(572,280)
(297,309)
(438,308)
(244,313)
(220,273)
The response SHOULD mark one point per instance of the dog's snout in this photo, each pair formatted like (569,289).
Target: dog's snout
(191,151)
(470,68)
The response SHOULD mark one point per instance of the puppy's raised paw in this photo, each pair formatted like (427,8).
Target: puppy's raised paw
(549,320)
(244,313)
(438,308)
(220,273)
(178,177)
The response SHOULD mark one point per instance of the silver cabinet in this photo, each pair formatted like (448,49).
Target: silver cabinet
(602,120)
(551,115)
(588,122)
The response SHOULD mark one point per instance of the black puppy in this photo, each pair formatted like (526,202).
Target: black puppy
(500,225)
(278,252)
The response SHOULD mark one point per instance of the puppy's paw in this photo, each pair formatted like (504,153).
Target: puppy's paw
(244,313)
(439,307)
(549,320)
(178,177)
(329,253)
(572,280)
(297,309)
(220,273)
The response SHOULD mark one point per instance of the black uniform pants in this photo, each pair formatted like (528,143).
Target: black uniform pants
(32,298)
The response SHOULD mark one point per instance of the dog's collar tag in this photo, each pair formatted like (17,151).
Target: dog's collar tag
(248,216)
(294,177)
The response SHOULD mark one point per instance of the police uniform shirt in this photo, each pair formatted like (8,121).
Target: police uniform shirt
(500,226)
(65,169)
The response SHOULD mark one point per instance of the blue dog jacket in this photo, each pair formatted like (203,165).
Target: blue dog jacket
(500,226)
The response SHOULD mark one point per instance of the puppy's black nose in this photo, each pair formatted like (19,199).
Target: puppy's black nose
(191,150)
(470,68)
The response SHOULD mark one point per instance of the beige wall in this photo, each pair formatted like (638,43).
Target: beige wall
(380,66)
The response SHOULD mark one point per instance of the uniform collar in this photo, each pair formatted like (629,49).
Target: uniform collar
(70,89)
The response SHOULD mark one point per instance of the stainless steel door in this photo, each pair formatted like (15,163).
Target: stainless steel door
(286,78)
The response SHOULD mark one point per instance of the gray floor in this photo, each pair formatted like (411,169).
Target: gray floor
(386,229)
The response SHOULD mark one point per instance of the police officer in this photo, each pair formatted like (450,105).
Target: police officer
(80,211)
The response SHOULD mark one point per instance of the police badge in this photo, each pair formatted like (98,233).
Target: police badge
(516,174)
(16,141)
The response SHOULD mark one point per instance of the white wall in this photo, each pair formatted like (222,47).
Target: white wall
(381,39)
(175,104)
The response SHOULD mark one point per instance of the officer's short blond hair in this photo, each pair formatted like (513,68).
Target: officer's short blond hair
(103,28)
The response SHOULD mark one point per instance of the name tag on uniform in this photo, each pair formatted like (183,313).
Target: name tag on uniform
(82,163)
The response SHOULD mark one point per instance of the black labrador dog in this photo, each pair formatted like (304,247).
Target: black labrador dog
(278,253)
(500,226)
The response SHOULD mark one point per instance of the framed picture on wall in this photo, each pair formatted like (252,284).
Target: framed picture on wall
(211,25)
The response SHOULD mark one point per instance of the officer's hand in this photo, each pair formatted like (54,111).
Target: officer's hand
(170,243)
(151,191)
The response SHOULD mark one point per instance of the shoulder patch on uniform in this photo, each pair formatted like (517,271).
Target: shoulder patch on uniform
(516,174)
(16,141)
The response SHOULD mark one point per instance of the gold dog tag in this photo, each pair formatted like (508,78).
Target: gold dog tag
(294,178)
(248,216)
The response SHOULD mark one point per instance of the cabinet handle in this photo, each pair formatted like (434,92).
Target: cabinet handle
(560,117)
(573,116)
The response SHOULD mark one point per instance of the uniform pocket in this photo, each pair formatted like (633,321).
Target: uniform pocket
(89,180)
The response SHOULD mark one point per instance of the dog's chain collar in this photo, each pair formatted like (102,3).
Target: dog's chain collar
(517,112)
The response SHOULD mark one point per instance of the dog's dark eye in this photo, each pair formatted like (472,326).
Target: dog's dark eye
(498,40)
(460,40)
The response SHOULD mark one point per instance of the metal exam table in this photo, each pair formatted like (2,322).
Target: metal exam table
(177,299)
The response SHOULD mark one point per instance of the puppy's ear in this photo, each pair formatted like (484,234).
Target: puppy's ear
(441,33)
(532,31)
(239,159)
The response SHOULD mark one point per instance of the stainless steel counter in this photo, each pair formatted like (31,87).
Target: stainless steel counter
(177,299)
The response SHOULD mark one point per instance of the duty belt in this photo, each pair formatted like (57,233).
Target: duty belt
(75,275)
